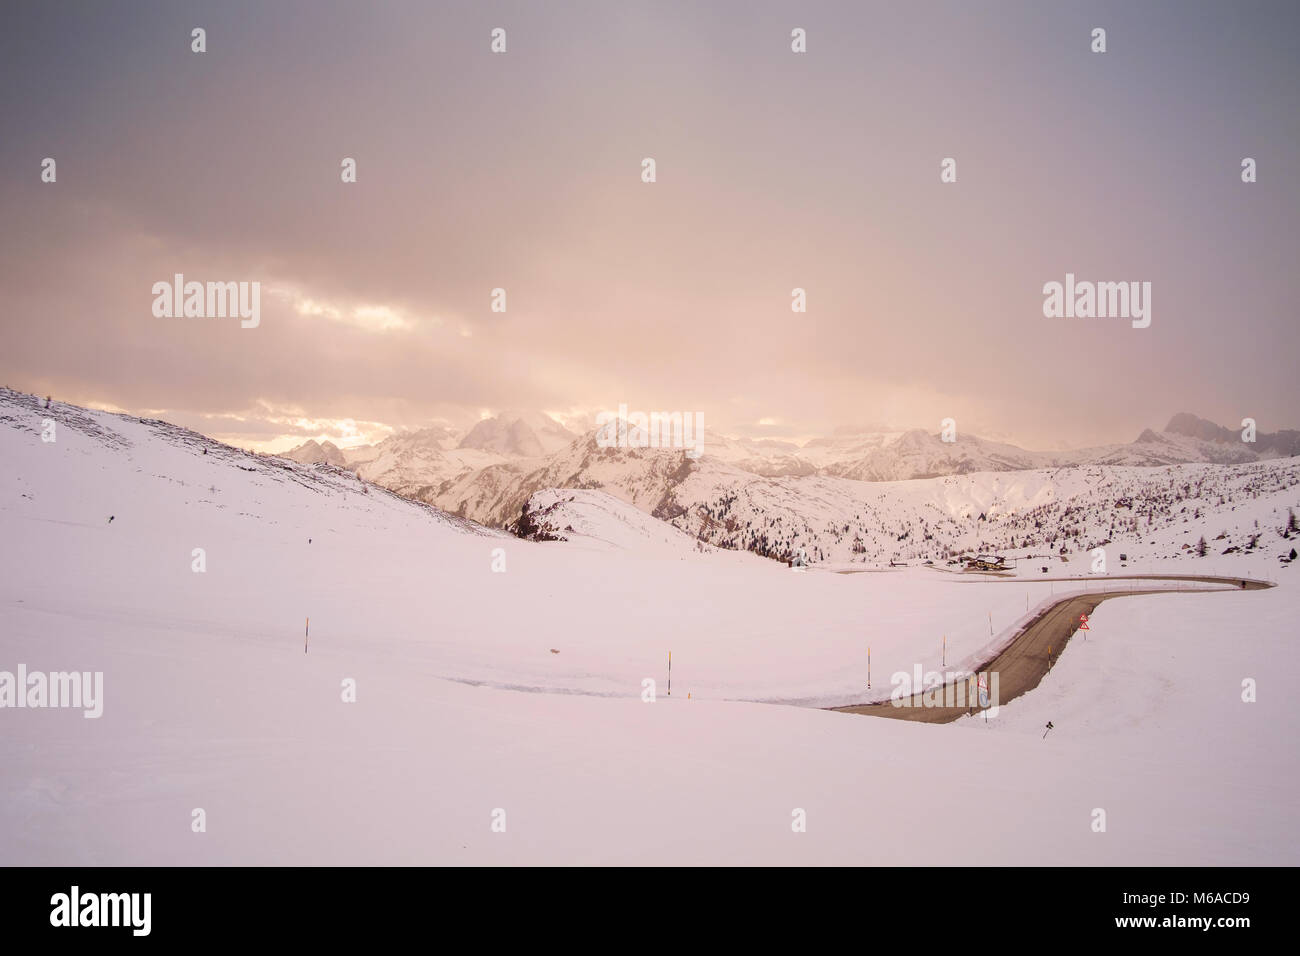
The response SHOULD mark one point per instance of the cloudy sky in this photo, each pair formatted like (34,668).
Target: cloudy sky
(775,170)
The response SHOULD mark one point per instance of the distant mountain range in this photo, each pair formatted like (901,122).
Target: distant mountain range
(489,472)
(1281,444)
(991,497)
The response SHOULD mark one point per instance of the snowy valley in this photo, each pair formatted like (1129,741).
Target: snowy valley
(491,672)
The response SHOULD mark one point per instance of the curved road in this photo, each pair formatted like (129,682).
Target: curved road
(1023,664)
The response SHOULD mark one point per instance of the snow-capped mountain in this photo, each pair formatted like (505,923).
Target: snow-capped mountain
(1186,439)
(1267,444)
(496,494)
(976,496)
(490,471)
(515,439)
(312,452)
(761,457)
(847,444)
(1172,448)
(422,463)
(920,454)
(410,462)
(908,497)
(518,435)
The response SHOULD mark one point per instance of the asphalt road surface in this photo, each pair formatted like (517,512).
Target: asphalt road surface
(1024,663)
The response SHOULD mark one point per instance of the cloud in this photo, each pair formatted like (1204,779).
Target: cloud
(478,172)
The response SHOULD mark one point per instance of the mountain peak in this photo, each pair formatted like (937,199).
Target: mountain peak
(518,434)
(1192,426)
(312,452)
(505,437)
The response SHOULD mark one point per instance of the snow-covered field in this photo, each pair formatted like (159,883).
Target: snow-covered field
(463,705)
(1150,724)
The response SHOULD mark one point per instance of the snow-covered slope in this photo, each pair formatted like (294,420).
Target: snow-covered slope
(496,674)
(601,520)
(281,542)
(1139,510)
(94,461)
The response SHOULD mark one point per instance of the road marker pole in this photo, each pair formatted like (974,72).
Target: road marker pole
(670,673)
(305,631)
